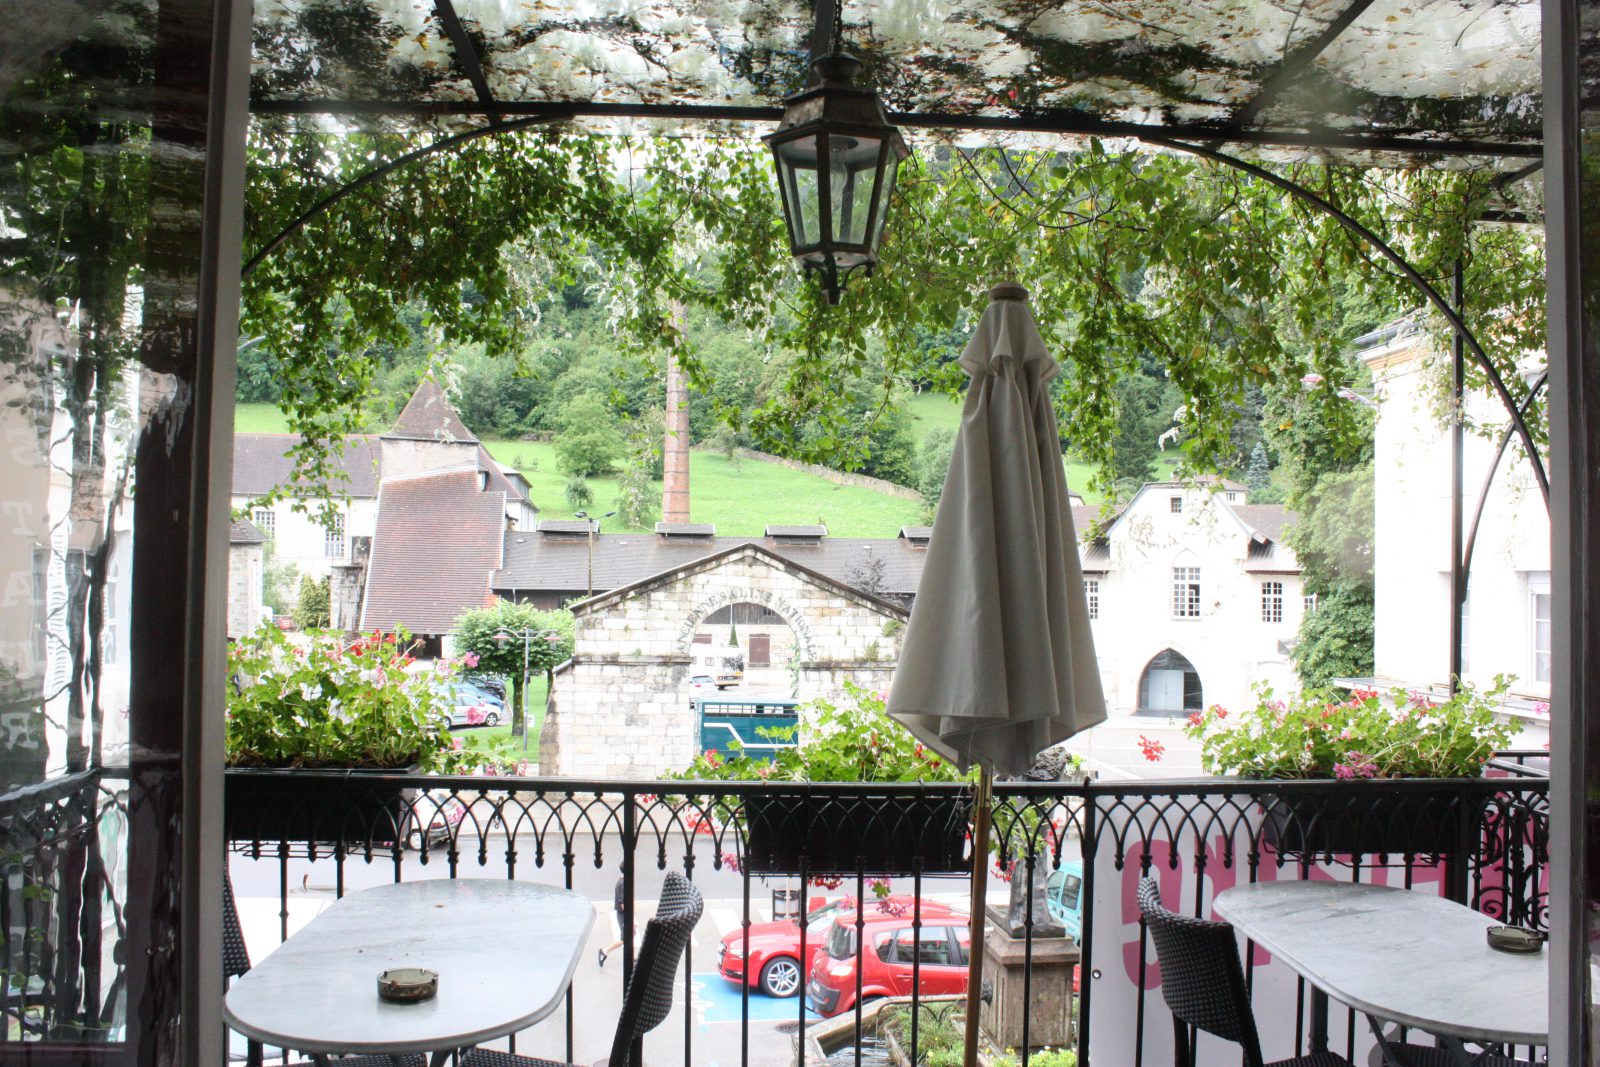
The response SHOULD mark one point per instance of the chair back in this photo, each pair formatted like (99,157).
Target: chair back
(235,957)
(648,996)
(1202,979)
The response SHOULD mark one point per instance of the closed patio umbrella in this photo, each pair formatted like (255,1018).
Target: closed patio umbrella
(998,661)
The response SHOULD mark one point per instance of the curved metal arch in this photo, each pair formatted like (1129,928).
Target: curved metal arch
(365,179)
(1421,284)
(1537,387)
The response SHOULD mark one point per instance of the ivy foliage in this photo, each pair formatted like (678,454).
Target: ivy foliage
(1219,281)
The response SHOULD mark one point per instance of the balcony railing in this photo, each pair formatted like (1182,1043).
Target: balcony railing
(1481,842)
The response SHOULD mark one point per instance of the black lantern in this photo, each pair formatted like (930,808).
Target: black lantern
(837,156)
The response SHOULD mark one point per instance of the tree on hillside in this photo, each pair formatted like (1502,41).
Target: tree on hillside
(550,643)
(1259,474)
(589,443)
(638,491)
(933,463)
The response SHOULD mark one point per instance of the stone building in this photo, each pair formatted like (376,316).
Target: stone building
(246,602)
(622,707)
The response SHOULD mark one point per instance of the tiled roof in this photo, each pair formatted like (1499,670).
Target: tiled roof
(245,532)
(498,481)
(261,463)
(1271,558)
(438,540)
(429,416)
(1268,520)
(542,564)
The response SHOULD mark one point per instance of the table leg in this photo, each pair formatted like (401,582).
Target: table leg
(1383,1044)
(1319,1020)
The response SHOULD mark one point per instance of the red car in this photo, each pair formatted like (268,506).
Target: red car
(887,965)
(774,965)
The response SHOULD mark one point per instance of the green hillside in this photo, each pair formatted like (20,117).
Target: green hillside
(739,496)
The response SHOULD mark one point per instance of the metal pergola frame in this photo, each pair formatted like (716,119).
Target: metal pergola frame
(181,520)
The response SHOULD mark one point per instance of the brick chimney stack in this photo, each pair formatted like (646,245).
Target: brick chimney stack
(675,449)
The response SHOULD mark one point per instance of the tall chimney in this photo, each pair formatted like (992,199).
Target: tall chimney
(675,449)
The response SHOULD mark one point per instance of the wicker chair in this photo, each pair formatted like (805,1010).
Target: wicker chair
(1407,1055)
(1202,982)
(648,996)
(236,962)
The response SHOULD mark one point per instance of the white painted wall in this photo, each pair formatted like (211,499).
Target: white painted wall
(299,538)
(1511,562)
(1228,643)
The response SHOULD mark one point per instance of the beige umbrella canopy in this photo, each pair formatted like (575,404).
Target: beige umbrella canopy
(998,661)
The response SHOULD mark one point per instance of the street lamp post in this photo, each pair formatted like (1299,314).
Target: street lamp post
(594,528)
(527,636)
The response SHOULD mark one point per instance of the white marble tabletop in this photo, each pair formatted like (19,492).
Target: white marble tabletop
(1400,955)
(504,951)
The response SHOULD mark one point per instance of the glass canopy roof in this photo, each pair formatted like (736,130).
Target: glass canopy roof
(1394,79)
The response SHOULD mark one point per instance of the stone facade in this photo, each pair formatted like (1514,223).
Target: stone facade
(622,707)
(245,563)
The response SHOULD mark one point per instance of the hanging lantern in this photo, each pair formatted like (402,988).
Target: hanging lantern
(836,155)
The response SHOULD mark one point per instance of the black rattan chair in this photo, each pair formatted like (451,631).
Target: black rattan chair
(1202,982)
(648,996)
(236,962)
(1407,1055)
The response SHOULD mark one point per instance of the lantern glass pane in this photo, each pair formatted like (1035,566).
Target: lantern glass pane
(891,167)
(797,170)
(852,167)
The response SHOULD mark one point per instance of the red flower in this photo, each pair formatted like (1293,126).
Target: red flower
(1153,750)
(1195,719)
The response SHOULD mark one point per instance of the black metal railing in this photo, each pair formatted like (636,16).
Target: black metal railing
(61,918)
(1482,842)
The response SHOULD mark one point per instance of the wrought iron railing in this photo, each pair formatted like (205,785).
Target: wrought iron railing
(61,918)
(1482,842)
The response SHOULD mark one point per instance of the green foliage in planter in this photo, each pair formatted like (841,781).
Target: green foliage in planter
(853,741)
(319,702)
(1318,734)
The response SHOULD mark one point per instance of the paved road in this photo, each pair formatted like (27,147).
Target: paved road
(713,1022)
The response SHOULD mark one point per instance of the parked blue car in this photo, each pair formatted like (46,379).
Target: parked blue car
(1063,896)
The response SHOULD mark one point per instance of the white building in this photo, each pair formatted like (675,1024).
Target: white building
(1507,617)
(1194,599)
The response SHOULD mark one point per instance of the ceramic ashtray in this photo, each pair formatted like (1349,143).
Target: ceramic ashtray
(1515,939)
(407,985)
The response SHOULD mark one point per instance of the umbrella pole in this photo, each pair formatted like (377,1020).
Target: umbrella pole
(980,890)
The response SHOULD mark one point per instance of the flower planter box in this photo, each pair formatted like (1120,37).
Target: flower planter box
(1369,818)
(847,833)
(356,805)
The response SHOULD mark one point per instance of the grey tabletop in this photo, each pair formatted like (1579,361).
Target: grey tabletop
(1404,956)
(504,951)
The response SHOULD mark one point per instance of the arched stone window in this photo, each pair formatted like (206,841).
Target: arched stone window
(1170,685)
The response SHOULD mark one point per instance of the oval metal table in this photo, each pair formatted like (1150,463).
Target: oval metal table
(1398,955)
(505,953)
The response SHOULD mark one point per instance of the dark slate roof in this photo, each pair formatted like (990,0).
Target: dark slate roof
(245,532)
(566,526)
(686,529)
(1268,520)
(429,416)
(540,564)
(261,463)
(759,549)
(438,540)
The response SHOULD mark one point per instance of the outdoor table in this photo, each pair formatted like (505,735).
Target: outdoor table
(504,952)
(1397,955)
